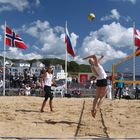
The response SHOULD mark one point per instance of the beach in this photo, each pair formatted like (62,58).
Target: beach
(20,116)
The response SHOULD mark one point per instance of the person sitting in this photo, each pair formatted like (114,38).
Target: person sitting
(27,90)
(137,92)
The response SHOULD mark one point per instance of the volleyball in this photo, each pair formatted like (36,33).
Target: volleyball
(91,16)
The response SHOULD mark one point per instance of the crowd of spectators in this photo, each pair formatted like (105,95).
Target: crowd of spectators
(26,83)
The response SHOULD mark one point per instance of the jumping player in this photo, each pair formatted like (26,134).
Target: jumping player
(101,84)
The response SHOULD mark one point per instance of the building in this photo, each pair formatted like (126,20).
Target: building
(19,67)
(59,72)
(8,64)
(84,77)
(36,67)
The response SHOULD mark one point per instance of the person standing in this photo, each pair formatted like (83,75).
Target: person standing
(101,84)
(1,85)
(47,79)
(119,86)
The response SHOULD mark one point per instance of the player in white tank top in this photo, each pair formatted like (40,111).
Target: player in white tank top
(101,85)
(101,72)
(47,78)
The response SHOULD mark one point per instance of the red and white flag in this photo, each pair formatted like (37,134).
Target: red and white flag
(70,49)
(14,40)
(137,51)
(136,38)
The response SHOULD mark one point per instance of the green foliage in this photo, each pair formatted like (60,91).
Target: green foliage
(84,68)
(73,67)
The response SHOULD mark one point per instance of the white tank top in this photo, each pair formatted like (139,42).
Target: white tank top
(101,72)
(48,79)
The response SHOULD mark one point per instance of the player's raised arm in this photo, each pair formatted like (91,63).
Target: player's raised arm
(101,57)
(91,56)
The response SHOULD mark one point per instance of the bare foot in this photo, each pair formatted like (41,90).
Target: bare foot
(51,110)
(93,113)
(41,111)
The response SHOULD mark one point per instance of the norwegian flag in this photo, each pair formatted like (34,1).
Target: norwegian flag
(136,38)
(13,39)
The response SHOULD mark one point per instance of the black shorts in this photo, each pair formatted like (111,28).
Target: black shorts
(48,93)
(101,83)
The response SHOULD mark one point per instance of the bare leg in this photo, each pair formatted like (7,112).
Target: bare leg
(50,103)
(93,111)
(43,105)
(100,101)
(103,91)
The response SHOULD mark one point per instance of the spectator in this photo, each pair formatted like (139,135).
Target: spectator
(21,79)
(109,91)
(16,80)
(22,89)
(1,85)
(119,86)
(27,90)
(137,92)
(33,89)
(34,78)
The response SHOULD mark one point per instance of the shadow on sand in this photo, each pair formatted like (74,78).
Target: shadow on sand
(25,110)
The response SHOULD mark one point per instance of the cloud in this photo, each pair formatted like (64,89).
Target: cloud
(18,54)
(20,5)
(127,18)
(108,41)
(115,35)
(132,1)
(111,40)
(51,39)
(114,15)
(7,5)
(94,46)
(37,3)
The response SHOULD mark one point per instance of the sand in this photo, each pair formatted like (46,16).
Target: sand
(20,117)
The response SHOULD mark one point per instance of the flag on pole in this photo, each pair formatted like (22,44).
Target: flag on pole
(70,49)
(14,40)
(136,38)
(137,51)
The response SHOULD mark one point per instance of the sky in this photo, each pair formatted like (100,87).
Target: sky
(41,24)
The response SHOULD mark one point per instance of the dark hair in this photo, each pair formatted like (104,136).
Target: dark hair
(42,71)
(48,68)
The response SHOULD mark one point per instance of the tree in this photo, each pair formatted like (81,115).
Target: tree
(73,67)
(84,68)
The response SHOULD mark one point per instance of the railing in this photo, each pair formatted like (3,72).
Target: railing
(75,92)
(21,91)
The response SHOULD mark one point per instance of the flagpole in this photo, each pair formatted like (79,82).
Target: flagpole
(66,57)
(4,54)
(134,49)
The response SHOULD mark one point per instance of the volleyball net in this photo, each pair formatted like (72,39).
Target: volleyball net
(130,67)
